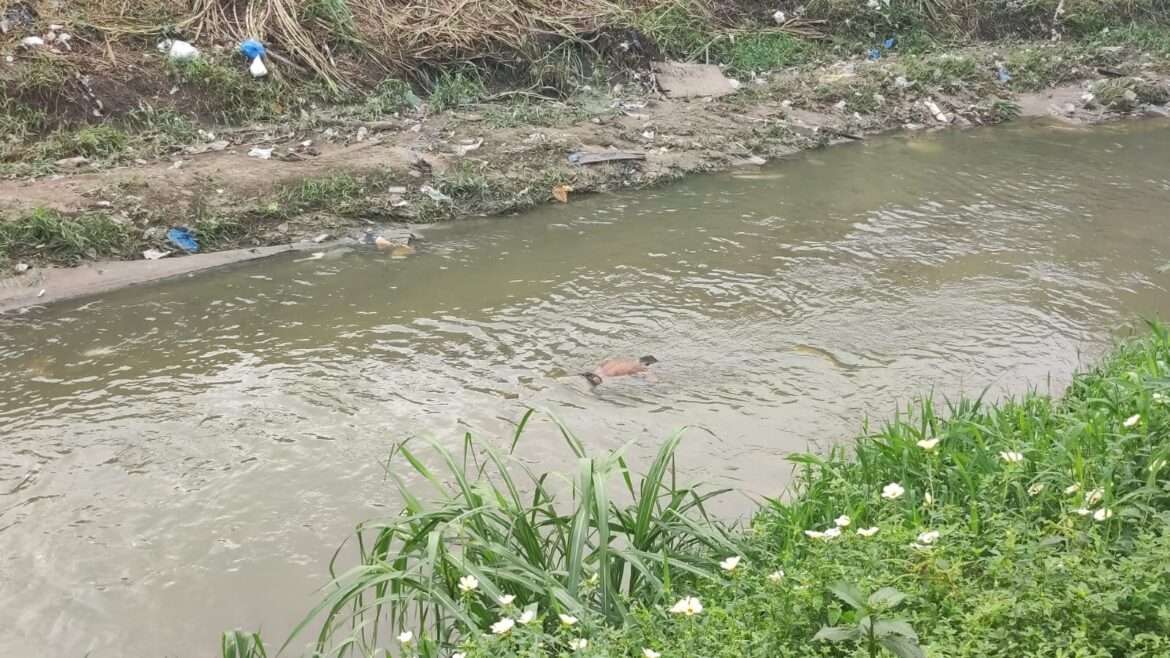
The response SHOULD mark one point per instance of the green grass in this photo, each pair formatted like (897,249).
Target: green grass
(764,51)
(337,193)
(53,237)
(1029,527)
(456,89)
(389,97)
(525,111)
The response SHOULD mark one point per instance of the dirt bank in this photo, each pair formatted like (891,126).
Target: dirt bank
(329,174)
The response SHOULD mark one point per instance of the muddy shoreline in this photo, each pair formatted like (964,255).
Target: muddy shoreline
(345,180)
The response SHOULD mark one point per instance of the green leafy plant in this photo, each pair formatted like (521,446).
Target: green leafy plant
(492,529)
(238,644)
(873,630)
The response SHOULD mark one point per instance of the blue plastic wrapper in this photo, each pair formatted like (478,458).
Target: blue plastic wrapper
(181,237)
(252,49)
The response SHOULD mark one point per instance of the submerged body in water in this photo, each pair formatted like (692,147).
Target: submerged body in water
(621,367)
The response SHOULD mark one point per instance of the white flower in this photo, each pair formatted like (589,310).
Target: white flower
(1094,497)
(868,532)
(506,599)
(928,444)
(1036,489)
(406,637)
(468,584)
(892,491)
(1011,456)
(650,653)
(927,499)
(843,521)
(1072,489)
(776,576)
(568,620)
(1083,512)
(832,533)
(1132,420)
(502,626)
(527,616)
(687,605)
(1103,514)
(814,534)
(730,563)
(578,643)
(928,538)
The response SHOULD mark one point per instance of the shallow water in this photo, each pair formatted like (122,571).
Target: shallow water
(180,459)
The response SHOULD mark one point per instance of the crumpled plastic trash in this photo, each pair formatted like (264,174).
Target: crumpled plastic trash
(181,237)
(32,42)
(434,194)
(873,54)
(155,254)
(888,44)
(257,69)
(263,154)
(252,49)
(1001,72)
(179,51)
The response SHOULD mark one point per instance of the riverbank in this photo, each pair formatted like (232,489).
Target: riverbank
(1034,526)
(476,146)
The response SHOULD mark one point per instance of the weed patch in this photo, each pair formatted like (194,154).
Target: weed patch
(50,236)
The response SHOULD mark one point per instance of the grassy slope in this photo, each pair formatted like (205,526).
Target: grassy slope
(1016,570)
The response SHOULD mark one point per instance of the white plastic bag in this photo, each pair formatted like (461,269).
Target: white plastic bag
(258,69)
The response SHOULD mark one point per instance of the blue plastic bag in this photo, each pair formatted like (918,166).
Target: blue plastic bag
(181,237)
(252,49)
(890,43)
(874,54)
(1001,74)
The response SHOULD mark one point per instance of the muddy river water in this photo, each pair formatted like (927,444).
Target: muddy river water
(183,458)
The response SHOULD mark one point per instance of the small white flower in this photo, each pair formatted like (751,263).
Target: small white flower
(928,538)
(730,563)
(776,576)
(814,534)
(868,532)
(502,626)
(1036,489)
(688,605)
(843,521)
(927,499)
(1011,456)
(1132,420)
(468,584)
(1072,489)
(650,653)
(892,491)
(832,533)
(568,620)
(506,599)
(1103,514)
(1083,512)
(578,643)
(406,637)
(1094,497)
(527,616)
(928,444)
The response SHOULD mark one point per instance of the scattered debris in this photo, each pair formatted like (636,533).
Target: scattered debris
(263,154)
(468,146)
(396,189)
(32,42)
(20,268)
(321,238)
(937,113)
(362,133)
(685,80)
(181,237)
(74,162)
(316,255)
(179,51)
(434,194)
(583,158)
(561,193)
(257,68)
(1001,72)
(41,293)
(780,17)
(1110,72)
(648,135)
(252,48)
(155,254)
